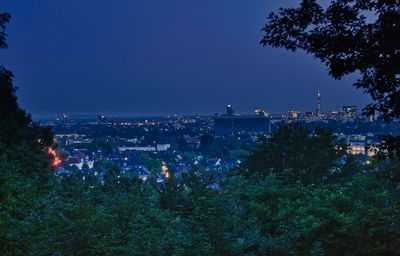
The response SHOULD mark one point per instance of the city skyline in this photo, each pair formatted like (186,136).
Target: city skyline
(154,62)
(230,110)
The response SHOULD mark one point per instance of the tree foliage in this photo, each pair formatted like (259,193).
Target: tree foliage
(4,19)
(25,173)
(349,36)
(296,153)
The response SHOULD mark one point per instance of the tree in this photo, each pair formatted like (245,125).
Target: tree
(4,19)
(16,127)
(349,36)
(296,153)
(25,176)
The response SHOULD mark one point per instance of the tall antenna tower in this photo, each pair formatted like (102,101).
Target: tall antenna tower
(318,112)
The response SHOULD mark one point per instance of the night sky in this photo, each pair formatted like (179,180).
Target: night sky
(156,57)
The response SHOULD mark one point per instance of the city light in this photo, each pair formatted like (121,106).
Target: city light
(165,171)
(56,161)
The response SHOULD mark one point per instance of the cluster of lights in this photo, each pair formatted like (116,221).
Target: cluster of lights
(189,121)
(146,122)
(56,159)
(126,123)
(165,171)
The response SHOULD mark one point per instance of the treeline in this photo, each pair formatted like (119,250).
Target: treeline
(299,193)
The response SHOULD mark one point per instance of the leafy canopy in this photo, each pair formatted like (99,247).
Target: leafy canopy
(296,153)
(349,36)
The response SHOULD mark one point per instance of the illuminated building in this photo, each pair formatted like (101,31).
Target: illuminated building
(79,163)
(349,111)
(356,148)
(158,147)
(293,114)
(334,114)
(309,116)
(260,112)
(357,145)
(228,125)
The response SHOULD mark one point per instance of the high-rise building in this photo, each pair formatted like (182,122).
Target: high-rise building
(229,110)
(318,111)
(230,124)
(293,114)
(260,112)
(101,118)
(334,114)
(349,111)
(309,116)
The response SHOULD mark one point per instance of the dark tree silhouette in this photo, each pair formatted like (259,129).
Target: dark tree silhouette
(296,153)
(4,19)
(349,36)
(16,126)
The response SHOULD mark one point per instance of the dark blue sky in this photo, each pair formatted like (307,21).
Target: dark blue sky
(149,57)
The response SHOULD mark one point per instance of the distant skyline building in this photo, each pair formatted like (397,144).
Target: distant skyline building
(334,114)
(230,124)
(229,110)
(349,111)
(293,114)
(260,112)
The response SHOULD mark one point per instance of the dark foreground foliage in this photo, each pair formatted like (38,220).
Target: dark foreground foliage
(350,208)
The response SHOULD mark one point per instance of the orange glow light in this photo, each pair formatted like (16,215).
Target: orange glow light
(56,162)
(56,159)
(51,152)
